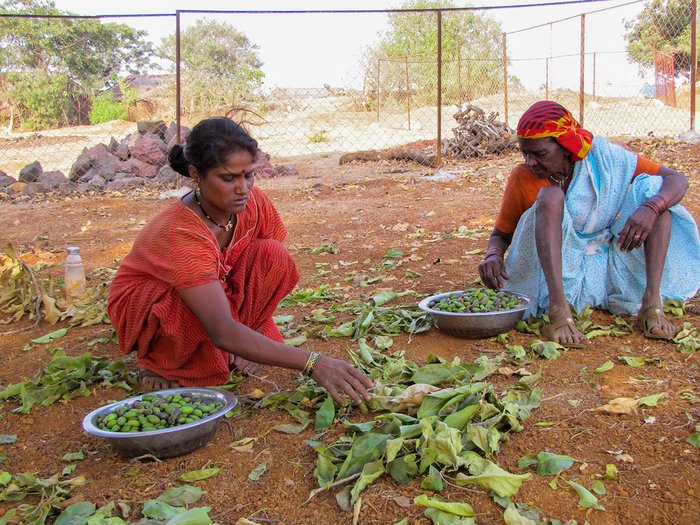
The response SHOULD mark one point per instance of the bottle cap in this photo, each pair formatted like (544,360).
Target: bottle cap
(73,250)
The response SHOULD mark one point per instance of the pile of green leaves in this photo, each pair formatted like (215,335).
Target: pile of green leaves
(67,377)
(439,421)
(170,508)
(49,491)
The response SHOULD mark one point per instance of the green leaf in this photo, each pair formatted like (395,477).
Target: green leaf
(460,418)
(181,496)
(548,464)
(496,479)
(512,517)
(360,428)
(393,253)
(366,449)
(198,475)
(586,499)
(605,367)
(459,509)
(383,342)
(51,337)
(694,439)
(546,349)
(258,471)
(73,456)
(370,472)
(325,414)
(5,477)
(384,297)
(68,469)
(433,481)
(402,522)
(76,514)
(598,487)
(635,362)
(651,401)
(290,429)
(8,439)
(610,471)
(160,510)
(404,468)
(296,341)
(195,516)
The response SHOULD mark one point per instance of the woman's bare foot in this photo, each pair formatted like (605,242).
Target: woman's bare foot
(245,367)
(151,381)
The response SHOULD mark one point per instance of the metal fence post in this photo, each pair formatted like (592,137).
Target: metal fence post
(438,146)
(408,96)
(505,81)
(693,62)
(583,64)
(459,74)
(178,115)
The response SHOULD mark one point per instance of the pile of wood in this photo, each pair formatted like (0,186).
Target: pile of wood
(477,135)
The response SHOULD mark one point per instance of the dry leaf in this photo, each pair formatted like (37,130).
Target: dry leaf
(243,445)
(620,405)
(402,501)
(413,395)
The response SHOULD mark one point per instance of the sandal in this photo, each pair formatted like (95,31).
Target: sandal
(549,331)
(654,317)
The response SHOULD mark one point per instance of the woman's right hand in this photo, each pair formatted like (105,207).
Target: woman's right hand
(338,376)
(492,271)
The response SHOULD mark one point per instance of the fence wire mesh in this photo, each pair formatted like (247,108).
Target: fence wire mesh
(70,83)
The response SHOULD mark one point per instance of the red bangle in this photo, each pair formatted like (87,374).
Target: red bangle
(493,250)
(663,205)
(651,204)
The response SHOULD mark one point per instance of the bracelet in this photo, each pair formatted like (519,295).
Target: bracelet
(493,250)
(653,206)
(311,362)
(663,205)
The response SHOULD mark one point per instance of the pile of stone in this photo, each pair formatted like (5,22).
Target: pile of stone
(140,158)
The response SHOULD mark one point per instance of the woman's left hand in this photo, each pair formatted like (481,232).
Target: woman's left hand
(636,229)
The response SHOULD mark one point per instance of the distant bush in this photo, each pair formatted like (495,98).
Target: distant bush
(105,109)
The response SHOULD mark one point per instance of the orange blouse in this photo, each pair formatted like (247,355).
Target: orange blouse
(523,186)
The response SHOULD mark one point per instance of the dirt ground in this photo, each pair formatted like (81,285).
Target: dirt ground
(367,209)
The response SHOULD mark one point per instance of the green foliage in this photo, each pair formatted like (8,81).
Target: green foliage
(56,62)
(105,108)
(319,136)
(220,65)
(665,24)
(470,36)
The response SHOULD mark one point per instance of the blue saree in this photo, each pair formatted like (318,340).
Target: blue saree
(599,200)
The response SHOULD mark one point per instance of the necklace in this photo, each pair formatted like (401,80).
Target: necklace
(561,182)
(228,226)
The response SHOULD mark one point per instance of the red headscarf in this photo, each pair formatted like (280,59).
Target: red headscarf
(549,119)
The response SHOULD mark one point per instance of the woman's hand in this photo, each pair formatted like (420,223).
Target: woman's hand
(636,229)
(338,376)
(492,271)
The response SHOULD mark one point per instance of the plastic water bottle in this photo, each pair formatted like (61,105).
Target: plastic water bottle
(75,273)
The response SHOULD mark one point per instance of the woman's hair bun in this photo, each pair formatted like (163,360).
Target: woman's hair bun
(178,161)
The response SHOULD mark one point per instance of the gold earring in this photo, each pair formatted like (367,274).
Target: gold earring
(196,186)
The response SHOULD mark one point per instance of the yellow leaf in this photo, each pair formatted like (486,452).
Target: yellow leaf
(620,405)
(51,313)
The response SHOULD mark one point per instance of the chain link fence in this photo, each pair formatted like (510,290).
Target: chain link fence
(395,92)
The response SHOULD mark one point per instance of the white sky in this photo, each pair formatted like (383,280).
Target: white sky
(312,49)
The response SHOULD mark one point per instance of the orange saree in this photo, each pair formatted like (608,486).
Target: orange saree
(177,250)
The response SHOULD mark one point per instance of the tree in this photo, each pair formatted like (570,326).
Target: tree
(666,25)
(469,36)
(73,58)
(219,64)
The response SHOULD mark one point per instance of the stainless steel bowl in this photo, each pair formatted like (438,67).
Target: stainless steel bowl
(167,442)
(476,325)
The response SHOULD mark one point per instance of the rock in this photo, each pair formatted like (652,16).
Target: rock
(5,179)
(285,170)
(97,182)
(125,183)
(31,172)
(119,149)
(166,173)
(139,168)
(105,165)
(17,187)
(52,179)
(80,167)
(170,137)
(156,127)
(67,187)
(32,188)
(149,148)
(122,175)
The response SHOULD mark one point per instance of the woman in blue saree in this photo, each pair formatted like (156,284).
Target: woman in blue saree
(590,223)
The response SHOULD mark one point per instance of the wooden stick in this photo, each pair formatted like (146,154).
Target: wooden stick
(337,483)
